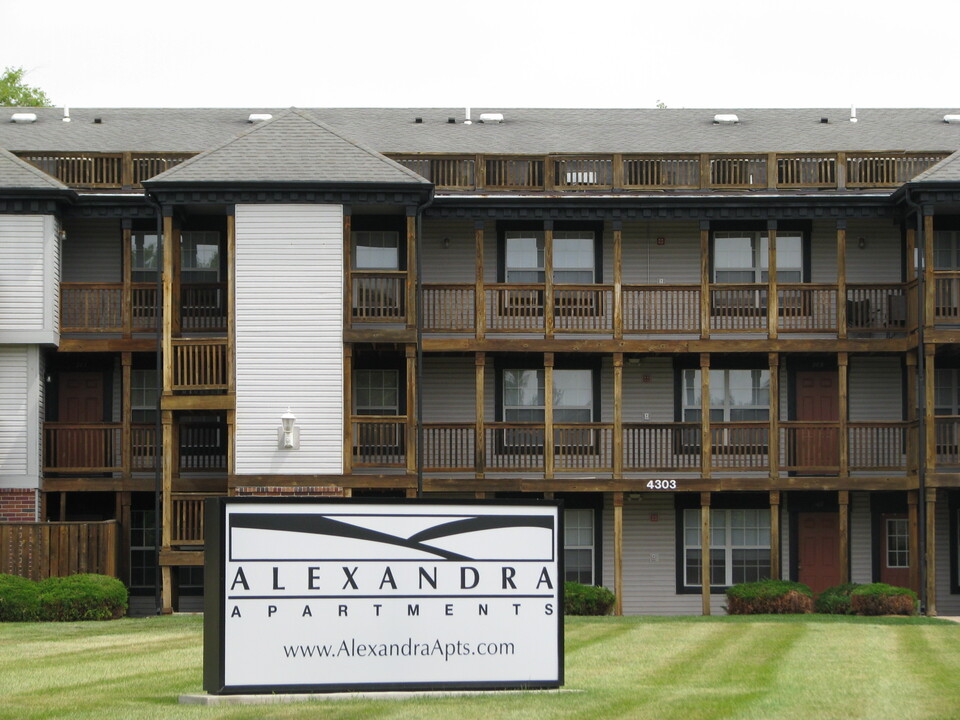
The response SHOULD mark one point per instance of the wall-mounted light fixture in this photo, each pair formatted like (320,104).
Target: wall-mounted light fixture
(446,243)
(861,243)
(288,434)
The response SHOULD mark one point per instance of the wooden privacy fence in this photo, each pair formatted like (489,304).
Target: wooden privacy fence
(41,550)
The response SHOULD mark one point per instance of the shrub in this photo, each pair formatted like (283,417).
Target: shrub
(82,597)
(836,600)
(19,599)
(775,597)
(883,599)
(579,599)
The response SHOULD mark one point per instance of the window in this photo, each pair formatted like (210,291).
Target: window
(200,256)
(739,546)
(946,250)
(376,392)
(143,257)
(143,560)
(143,396)
(735,395)
(524,394)
(947,391)
(898,543)
(578,538)
(376,250)
(744,257)
(574,257)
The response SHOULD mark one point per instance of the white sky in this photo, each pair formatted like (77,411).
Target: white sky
(485,53)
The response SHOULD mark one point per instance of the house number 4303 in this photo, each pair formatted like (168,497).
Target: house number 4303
(662,485)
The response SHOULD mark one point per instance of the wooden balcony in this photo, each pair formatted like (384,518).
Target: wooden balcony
(870,309)
(946,297)
(101,171)
(200,365)
(187,519)
(103,307)
(638,172)
(807,448)
(379,296)
(94,448)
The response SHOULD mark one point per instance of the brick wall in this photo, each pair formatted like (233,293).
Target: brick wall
(18,505)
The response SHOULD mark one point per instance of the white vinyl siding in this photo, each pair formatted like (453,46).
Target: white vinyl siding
(289,317)
(29,279)
(19,416)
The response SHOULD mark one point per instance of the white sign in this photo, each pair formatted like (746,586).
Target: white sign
(325,596)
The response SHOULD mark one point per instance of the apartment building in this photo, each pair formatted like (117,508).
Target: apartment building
(497,304)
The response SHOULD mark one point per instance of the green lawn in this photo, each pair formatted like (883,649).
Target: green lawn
(689,668)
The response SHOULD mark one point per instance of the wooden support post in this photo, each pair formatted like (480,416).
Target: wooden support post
(480,437)
(548,416)
(841,171)
(913,538)
(126,413)
(912,427)
(63,507)
(349,251)
(841,279)
(618,416)
(170,248)
(773,171)
(843,500)
(176,249)
(705,551)
(166,503)
(166,590)
(412,249)
(931,551)
(123,519)
(930,307)
(479,293)
(775,535)
(706,439)
(231,421)
(843,440)
(617,279)
(773,302)
(347,409)
(929,419)
(773,444)
(704,279)
(412,410)
(230,305)
(704,171)
(618,551)
(548,314)
(126,294)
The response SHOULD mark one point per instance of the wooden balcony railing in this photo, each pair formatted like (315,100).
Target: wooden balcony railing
(88,448)
(661,447)
(807,308)
(708,171)
(661,308)
(877,307)
(203,307)
(947,440)
(878,446)
(583,308)
(514,446)
(99,307)
(203,446)
(738,308)
(515,308)
(187,521)
(103,170)
(449,308)
(740,445)
(379,296)
(379,441)
(199,364)
(583,446)
(143,439)
(810,447)
(946,297)
(449,446)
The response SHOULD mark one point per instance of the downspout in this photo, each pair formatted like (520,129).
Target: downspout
(419,301)
(920,257)
(158,440)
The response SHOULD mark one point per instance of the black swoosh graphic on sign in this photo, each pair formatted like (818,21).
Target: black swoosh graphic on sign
(320,525)
(475,524)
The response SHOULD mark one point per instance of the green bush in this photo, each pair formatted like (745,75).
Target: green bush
(579,599)
(19,599)
(883,599)
(82,597)
(774,597)
(836,600)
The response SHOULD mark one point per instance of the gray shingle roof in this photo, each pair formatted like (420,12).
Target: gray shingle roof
(534,131)
(291,148)
(947,170)
(15,174)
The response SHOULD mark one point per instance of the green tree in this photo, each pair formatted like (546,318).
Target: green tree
(15,93)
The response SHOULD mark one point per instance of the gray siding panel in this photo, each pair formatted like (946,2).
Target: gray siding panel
(861,554)
(879,261)
(874,385)
(453,264)
(823,252)
(92,251)
(947,603)
(448,390)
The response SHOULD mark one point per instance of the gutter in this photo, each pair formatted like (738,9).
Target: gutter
(419,301)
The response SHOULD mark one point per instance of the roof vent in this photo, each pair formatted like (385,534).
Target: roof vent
(725,119)
(259,117)
(66,114)
(97,121)
(418,120)
(23,118)
(451,121)
(491,117)
(824,121)
(952,119)
(853,114)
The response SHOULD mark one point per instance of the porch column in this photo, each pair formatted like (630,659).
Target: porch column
(931,551)
(231,420)
(126,294)
(705,551)
(911,276)
(618,551)
(618,416)
(479,294)
(773,312)
(229,304)
(126,444)
(412,410)
(843,500)
(774,534)
(347,409)
(912,429)
(617,279)
(843,444)
(166,503)
(929,299)
(548,416)
(348,251)
(411,293)
(841,279)
(480,437)
(548,317)
(773,444)
(929,411)
(170,248)
(706,439)
(913,539)
(704,279)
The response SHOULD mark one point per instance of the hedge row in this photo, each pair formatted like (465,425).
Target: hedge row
(77,597)
(579,599)
(769,597)
(780,596)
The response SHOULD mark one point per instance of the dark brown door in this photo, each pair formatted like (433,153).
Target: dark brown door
(81,402)
(895,551)
(818,550)
(816,448)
